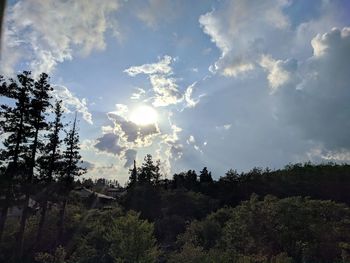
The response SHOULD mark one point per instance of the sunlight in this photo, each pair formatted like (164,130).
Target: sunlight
(144,115)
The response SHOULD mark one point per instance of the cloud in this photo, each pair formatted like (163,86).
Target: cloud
(241,30)
(170,148)
(130,156)
(87,165)
(33,33)
(125,137)
(110,172)
(191,139)
(165,89)
(190,102)
(71,103)
(318,105)
(279,72)
(161,67)
(131,134)
(155,11)
(138,94)
(109,143)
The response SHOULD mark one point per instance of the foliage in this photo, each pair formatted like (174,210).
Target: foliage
(112,238)
(299,228)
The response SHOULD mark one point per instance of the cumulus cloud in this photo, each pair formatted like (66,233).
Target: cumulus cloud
(165,88)
(279,72)
(34,34)
(170,148)
(71,103)
(107,171)
(319,104)
(241,29)
(125,137)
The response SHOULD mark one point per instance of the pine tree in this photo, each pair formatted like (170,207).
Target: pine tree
(149,172)
(71,168)
(49,164)
(205,176)
(14,121)
(133,176)
(38,106)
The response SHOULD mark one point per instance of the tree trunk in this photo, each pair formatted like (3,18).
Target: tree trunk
(3,217)
(20,236)
(10,172)
(41,222)
(18,252)
(61,221)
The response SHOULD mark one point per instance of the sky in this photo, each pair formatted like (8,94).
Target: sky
(224,84)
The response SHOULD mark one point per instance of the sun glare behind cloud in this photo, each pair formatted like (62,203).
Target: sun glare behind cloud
(144,115)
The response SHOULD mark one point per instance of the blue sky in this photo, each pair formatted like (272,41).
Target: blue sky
(234,84)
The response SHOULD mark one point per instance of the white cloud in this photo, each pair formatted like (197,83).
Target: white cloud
(161,67)
(190,102)
(165,88)
(71,103)
(45,33)
(279,72)
(138,94)
(240,29)
(191,139)
(335,40)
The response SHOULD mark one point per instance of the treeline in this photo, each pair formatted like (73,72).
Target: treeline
(34,159)
(188,199)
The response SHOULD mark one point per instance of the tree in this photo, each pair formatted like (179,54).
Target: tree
(14,121)
(49,164)
(38,106)
(70,170)
(205,176)
(149,172)
(133,176)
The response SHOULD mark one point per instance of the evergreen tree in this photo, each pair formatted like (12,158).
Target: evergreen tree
(49,164)
(133,176)
(191,182)
(205,176)
(38,106)
(14,121)
(71,168)
(149,172)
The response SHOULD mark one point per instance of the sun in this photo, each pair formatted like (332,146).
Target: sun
(144,115)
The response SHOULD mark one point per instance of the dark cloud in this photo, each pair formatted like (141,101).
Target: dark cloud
(109,143)
(319,105)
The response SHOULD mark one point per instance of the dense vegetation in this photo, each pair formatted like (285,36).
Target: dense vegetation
(296,214)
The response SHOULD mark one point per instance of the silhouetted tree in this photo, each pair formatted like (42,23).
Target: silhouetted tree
(38,106)
(205,176)
(50,163)
(133,176)
(71,168)
(149,172)
(14,122)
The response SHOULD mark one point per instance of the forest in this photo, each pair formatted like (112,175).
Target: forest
(51,214)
